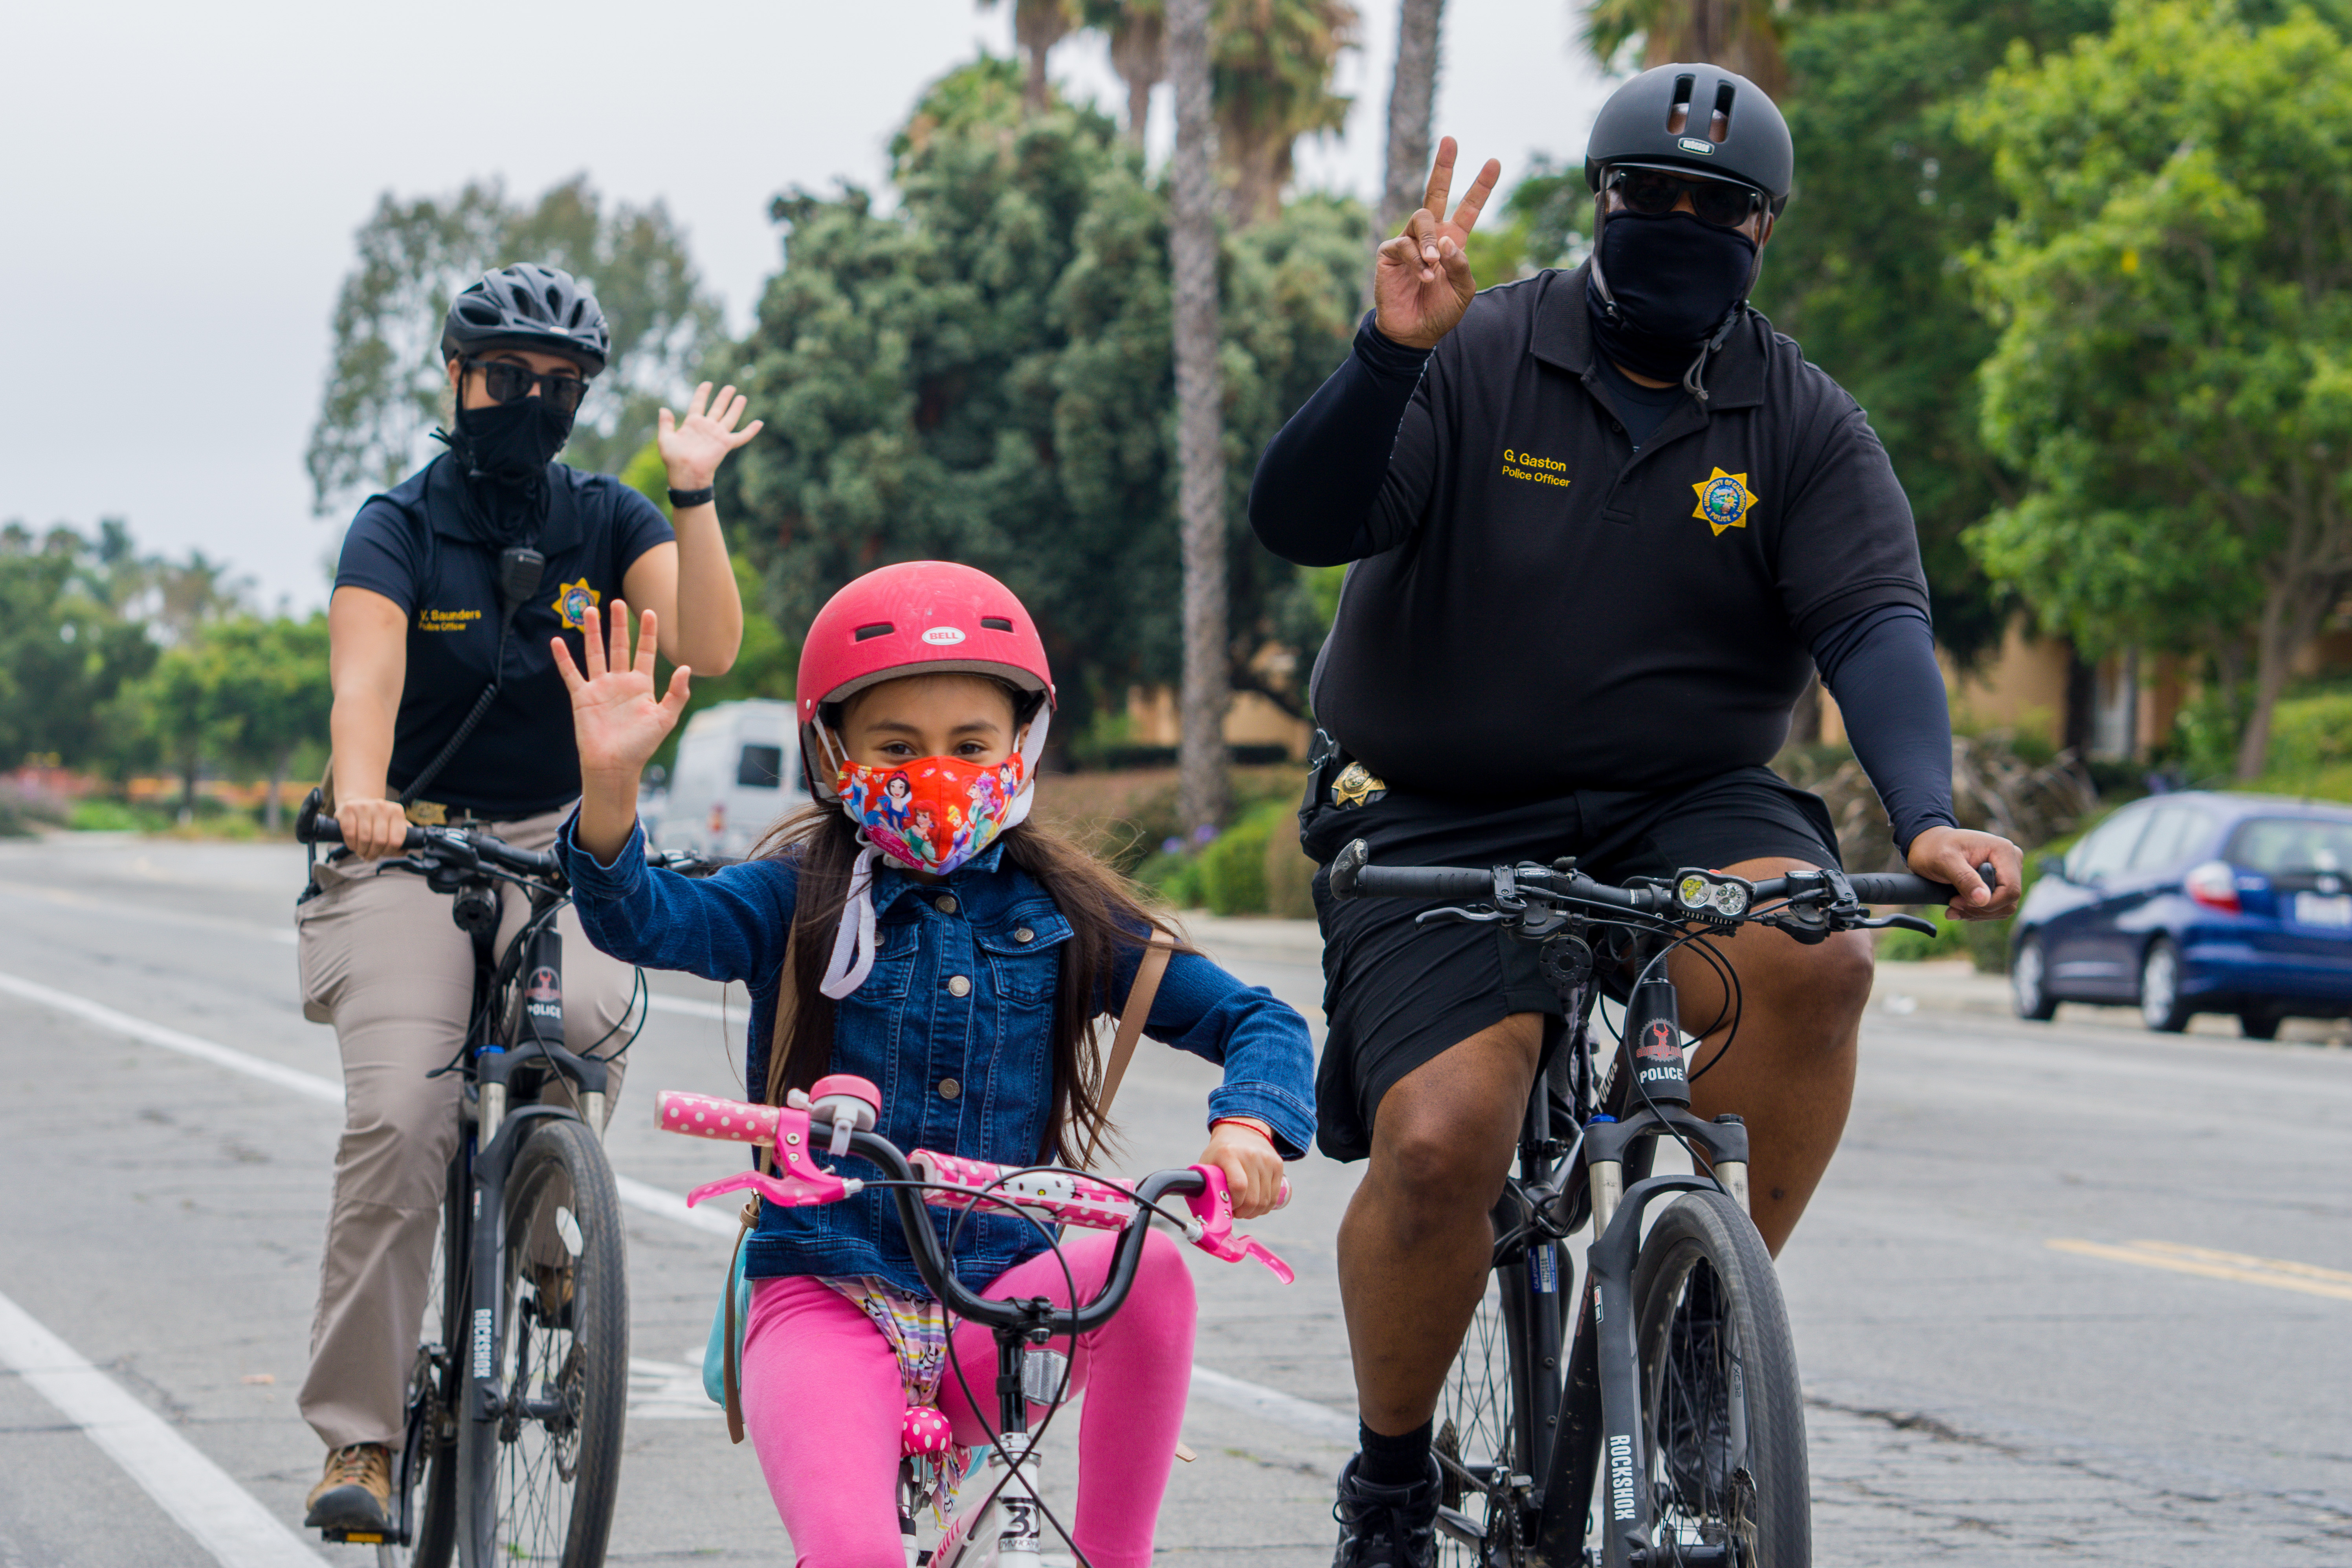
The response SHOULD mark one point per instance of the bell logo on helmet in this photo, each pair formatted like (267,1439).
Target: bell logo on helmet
(1693,144)
(943,636)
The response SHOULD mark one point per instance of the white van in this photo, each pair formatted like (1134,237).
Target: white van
(738,769)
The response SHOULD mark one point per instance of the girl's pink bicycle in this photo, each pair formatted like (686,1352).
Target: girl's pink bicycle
(1002,1527)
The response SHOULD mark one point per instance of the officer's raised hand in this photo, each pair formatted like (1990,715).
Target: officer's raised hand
(1421,283)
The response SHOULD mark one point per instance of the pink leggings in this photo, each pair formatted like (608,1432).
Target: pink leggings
(823,1403)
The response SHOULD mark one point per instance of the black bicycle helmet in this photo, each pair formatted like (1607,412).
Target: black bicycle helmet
(1694,120)
(528,306)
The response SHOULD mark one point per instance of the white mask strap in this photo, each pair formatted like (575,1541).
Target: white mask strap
(1033,746)
(853,940)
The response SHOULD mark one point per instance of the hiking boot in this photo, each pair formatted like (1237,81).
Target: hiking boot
(552,1283)
(1386,1527)
(356,1494)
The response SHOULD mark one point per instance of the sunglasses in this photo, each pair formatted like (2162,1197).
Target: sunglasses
(505,380)
(1651,194)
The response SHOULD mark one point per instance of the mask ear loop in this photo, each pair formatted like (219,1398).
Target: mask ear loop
(1033,746)
(853,940)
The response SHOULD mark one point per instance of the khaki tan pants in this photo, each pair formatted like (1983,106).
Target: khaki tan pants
(385,963)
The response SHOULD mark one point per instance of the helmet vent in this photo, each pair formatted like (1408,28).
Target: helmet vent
(1719,128)
(1678,108)
(995,624)
(878,629)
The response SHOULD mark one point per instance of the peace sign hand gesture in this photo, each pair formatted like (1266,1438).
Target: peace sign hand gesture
(692,448)
(1422,282)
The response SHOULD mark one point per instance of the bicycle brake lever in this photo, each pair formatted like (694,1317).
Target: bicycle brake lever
(1478,915)
(1213,1220)
(1897,923)
(799,1183)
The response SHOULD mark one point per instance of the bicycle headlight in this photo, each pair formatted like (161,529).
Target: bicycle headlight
(1695,891)
(1730,899)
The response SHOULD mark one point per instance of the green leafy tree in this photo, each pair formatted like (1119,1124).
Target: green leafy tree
(2174,369)
(64,652)
(387,383)
(984,375)
(1863,269)
(265,694)
(1270,71)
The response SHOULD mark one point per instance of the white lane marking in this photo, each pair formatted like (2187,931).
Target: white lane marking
(199,1495)
(1319,1420)
(1300,1415)
(688,1007)
(308,1085)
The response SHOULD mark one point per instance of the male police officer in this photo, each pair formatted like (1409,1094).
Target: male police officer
(1602,525)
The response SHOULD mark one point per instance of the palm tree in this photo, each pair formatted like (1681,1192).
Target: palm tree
(1274,60)
(1137,30)
(1037,26)
(1200,436)
(1412,100)
(1744,34)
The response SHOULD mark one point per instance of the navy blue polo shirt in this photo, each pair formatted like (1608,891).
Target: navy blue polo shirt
(411,544)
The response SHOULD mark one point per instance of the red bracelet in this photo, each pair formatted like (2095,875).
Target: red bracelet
(1252,1122)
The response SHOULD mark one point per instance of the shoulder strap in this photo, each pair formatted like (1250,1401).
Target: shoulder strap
(787,1006)
(1139,997)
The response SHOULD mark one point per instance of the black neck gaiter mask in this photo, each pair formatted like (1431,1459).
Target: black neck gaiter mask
(1674,278)
(504,449)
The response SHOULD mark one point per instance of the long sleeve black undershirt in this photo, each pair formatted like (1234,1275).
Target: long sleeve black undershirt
(1317,482)
(1312,494)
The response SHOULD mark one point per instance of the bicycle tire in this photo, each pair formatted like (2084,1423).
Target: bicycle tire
(1723,1418)
(1486,1488)
(429,1456)
(538,1483)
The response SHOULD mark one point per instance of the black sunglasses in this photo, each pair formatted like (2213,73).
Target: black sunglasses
(505,380)
(1652,192)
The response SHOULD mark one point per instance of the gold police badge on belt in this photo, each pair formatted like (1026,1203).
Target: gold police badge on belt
(1357,786)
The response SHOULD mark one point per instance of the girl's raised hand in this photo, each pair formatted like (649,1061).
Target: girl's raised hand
(615,718)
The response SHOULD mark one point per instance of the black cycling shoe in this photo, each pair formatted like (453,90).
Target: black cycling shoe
(1386,1527)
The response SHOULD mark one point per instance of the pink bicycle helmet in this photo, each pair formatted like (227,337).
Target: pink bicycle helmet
(928,617)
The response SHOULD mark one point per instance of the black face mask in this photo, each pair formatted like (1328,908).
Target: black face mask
(505,448)
(510,443)
(1674,278)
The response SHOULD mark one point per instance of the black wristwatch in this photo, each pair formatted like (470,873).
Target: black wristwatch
(681,499)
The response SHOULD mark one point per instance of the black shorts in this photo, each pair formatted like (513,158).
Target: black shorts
(1398,994)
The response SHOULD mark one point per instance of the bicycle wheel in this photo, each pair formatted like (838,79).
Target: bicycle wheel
(1722,1419)
(1487,1496)
(539,1479)
(426,1467)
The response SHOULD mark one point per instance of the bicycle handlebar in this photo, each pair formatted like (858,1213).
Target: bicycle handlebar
(945,1181)
(497,851)
(1353,875)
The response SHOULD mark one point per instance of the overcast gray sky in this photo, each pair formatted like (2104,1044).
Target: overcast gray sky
(181,184)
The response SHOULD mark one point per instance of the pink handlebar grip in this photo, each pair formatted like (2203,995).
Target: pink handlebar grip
(798,1181)
(700,1116)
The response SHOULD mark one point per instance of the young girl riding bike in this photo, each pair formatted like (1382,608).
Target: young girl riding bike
(960,962)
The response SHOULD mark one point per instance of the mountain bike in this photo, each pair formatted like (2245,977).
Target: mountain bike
(1002,1525)
(1659,1421)
(511,1449)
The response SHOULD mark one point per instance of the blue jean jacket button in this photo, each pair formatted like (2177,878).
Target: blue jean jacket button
(958,985)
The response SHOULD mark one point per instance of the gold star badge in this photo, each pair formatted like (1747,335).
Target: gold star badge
(1357,786)
(1723,501)
(573,603)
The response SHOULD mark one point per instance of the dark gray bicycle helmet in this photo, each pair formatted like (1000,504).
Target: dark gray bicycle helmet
(1749,144)
(527,306)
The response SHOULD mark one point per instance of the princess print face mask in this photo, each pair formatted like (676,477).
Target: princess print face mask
(933,814)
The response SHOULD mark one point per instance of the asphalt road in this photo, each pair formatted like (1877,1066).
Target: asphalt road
(2072,1293)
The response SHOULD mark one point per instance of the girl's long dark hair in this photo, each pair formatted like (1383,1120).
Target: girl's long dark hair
(1105,915)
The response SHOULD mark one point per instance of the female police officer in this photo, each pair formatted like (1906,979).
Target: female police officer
(447,708)
(1603,523)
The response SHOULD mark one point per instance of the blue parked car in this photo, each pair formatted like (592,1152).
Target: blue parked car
(2195,903)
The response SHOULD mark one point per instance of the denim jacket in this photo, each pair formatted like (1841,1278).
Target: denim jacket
(954,1024)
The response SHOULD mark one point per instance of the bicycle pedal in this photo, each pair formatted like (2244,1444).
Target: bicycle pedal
(341,1536)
